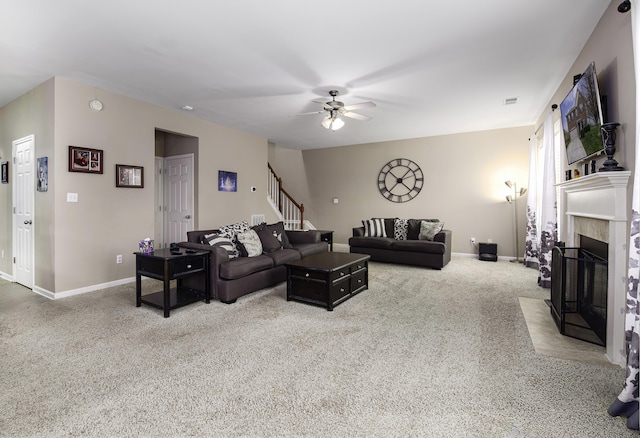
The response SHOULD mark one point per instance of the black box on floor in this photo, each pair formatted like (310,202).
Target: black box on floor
(488,252)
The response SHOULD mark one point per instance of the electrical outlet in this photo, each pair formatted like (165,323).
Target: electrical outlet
(473,240)
(119,258)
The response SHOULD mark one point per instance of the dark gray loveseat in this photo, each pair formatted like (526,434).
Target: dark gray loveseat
(434,253)
(232,278)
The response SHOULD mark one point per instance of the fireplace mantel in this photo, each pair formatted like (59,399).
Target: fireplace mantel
(602,196)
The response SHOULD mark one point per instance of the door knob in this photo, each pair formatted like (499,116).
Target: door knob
(28,222)
(188,216)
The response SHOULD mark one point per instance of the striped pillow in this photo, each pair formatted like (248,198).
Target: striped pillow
(221,241)
(374,228)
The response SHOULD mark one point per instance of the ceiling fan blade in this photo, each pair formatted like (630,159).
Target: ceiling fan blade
(308,114)
(356,116)
(360,105)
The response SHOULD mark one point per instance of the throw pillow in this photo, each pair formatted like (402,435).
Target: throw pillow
(278,231)
(221,241)
(414,227)
(269,242)
(374,228)
(400,228)
(231,231)
(428,230)
(250,243)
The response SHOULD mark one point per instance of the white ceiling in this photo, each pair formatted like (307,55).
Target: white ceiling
(432,67)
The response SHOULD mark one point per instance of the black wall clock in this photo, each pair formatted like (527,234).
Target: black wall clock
(400,180)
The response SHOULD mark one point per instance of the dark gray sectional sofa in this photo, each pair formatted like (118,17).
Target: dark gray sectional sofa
(232,278)
(410,250)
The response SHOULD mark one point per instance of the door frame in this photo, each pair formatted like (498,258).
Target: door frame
(15,194)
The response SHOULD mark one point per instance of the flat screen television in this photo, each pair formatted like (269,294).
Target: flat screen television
(581,113)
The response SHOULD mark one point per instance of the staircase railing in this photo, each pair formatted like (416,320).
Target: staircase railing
(292,212)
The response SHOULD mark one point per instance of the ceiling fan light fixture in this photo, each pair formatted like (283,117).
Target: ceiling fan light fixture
(337,123)
(326,122)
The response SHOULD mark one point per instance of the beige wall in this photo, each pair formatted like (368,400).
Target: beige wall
(610,47)
(464,184)
(31,114)
(77,243)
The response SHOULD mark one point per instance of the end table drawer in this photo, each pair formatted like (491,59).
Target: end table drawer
(183,266)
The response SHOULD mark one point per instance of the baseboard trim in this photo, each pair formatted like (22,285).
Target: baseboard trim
(83,290)
(6,276)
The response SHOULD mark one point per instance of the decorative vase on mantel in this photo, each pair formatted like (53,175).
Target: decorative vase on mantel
(609,139)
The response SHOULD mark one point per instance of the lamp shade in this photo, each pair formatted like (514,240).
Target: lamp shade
(337,123)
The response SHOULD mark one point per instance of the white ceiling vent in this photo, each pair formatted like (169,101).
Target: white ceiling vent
(511,101)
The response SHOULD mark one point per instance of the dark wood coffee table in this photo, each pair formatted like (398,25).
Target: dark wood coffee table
(327,279)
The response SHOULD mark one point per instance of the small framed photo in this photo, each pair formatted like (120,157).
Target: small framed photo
(227,181)
(85,160)
(129,176)
(5,172)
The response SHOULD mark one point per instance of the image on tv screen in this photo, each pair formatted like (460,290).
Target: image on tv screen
(581,114)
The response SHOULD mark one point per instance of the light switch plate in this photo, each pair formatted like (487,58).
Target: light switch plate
(72,197)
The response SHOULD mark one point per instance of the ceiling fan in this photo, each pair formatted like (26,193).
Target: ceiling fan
(334,109)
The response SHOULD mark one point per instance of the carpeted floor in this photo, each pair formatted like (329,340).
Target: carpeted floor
(421,353)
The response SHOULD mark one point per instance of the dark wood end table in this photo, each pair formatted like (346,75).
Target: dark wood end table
(327,236)
(163,265)
(327,279)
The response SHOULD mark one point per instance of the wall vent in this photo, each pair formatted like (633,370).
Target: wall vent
(257,219)
(511,101)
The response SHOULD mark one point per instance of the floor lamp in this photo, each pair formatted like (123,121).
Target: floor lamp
(514,200)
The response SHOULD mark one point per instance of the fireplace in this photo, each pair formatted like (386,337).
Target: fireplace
(579,290)
(596,207)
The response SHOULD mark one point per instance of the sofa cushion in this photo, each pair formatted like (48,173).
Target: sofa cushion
(400,229)
(269,242)
(249,244)
(424,246)
(284,256)
(243,266)
(428,230)
(374,228)
(372,242)
(278,231)
(413,227)
(222,241)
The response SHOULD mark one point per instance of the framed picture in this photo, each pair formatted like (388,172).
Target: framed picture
(43,174)
(85,160)
(227,181)
(5,172)
(129,176)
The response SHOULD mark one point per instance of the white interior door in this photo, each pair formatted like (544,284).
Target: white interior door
(23,197)
(178,197)
(159,204)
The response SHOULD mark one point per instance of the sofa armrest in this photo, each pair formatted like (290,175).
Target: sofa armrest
(358,232)
(299,236)
(218,255)
(445,237)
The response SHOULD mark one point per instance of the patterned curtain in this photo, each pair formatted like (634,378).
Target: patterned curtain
(626,404)
(531,253)
(548,231)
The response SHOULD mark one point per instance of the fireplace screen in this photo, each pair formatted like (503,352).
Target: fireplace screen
(579,294)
